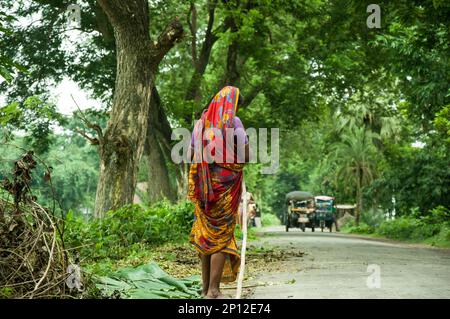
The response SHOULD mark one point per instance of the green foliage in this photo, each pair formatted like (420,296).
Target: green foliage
(416,41)
(400,228)
(442,123)
(437,215)
(432,228)
(373,217)
(355,158)
(269,219)
(417,177)
(146,282)
(442,239)
(407,228)
(126,229)
(35,117)
(74,170)
(362,228)
(239,235)
(6,292)
(7,65)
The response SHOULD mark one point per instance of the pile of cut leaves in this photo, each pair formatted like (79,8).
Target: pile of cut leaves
(147,281)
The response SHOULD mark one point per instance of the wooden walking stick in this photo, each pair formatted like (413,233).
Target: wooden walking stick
(244,242)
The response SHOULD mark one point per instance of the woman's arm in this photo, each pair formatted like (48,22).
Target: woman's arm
(242,135)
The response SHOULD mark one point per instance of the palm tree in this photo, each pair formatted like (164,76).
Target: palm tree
(373,118)
(355,158)
(380,116)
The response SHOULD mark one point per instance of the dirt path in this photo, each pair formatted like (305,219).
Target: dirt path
(343,266)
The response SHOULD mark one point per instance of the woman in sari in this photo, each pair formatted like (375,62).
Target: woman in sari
(215,188)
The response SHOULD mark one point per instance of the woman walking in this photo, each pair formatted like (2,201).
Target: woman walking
(215,188)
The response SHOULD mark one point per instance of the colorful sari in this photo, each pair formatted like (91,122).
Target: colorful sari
(215,188)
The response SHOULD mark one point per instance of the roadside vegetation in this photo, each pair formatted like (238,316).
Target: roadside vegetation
(432,228)
(156,236)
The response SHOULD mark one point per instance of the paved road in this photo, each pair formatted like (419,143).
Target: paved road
(344,266)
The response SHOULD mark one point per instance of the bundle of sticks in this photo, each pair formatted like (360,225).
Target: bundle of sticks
(32,258)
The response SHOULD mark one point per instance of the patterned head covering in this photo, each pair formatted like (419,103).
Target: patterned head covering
(217,118)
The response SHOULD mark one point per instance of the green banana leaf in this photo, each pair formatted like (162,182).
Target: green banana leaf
(147,281)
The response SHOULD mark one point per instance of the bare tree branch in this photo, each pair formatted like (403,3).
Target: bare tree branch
(89,124)
(192,22)
(166,40)
(192,92)
(92,140)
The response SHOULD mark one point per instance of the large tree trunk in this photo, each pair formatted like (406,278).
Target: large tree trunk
(157,144)
(158,176)
(183,180)
(122,144)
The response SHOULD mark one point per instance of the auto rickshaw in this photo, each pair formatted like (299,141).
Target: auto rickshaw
(324,212)
(300,210)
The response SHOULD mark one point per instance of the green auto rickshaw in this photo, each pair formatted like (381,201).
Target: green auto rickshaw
(325,212)
(300,211)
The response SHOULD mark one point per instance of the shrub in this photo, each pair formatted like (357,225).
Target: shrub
(251,233)
(346,221)
(442,238)
(373,217)
(269,220)
(362,228)
(411,228)
(127,228)
(400,228)
(444,234)
(438,215)
(425,231)
(433,227)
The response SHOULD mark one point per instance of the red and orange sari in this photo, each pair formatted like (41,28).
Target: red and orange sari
(215,188)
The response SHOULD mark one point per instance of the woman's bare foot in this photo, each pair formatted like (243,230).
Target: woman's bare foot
(204,293)
(215,295)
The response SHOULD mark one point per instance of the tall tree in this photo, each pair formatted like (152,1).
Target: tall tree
(199,63)
(355,160)
(138,57)
(112,29)
(157,152)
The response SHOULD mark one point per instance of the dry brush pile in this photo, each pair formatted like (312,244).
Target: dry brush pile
(33,261)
